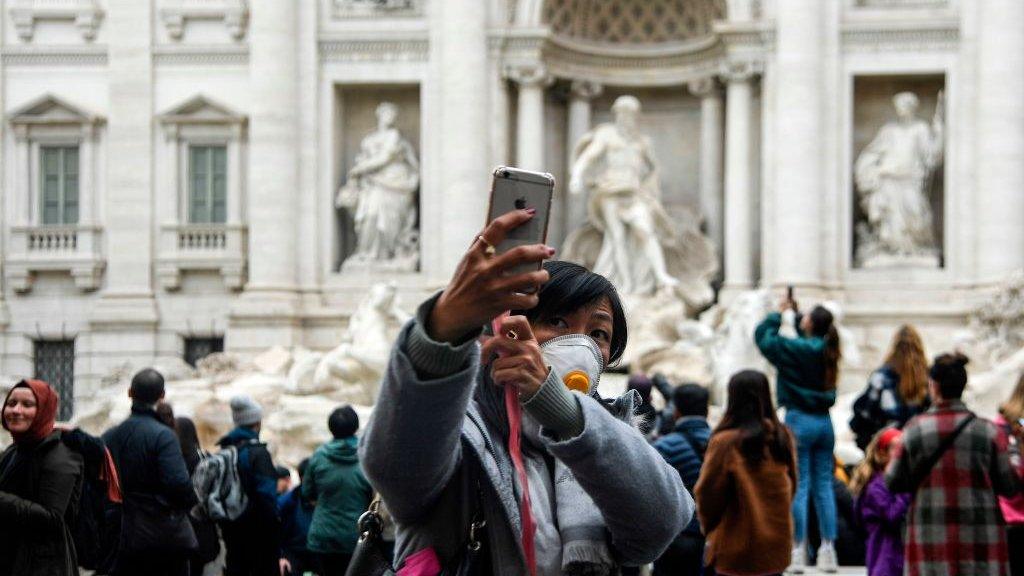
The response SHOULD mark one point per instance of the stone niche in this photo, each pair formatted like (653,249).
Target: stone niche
(356,111)
(874,111)
(670,117)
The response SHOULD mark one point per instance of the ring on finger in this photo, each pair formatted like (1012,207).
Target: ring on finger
(512,335)
(489,248)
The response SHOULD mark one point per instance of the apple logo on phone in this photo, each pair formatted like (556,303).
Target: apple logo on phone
(520,203)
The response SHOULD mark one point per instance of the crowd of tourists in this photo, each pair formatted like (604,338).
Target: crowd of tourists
(490,451)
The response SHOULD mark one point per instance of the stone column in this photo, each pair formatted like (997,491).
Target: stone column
(128,226)
(712,141)
(1000,150)
(738,235)
(459,104)
(581,96)
(799,181)
(124,319)
(266,313)
(532,79)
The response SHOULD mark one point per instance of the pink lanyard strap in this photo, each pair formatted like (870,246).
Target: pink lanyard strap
(515,450)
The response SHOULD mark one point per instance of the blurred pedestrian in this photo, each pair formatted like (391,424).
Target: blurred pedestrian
(165,413)
(808,370)
(684,449)
(340,494)
(296,515)
(1011,432)
(747,484)
(156,535)
(284,479)
(40,485)
(253,540)
(205,529)
(955,465)
(896,392)
(882,512)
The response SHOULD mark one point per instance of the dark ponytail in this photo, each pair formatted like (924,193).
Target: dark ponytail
(949,371)
(823,326)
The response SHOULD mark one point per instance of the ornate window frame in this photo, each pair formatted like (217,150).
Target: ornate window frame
(184,246)
(234,13)
(86,15)
(34,247)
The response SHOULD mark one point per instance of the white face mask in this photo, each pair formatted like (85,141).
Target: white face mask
(576,361)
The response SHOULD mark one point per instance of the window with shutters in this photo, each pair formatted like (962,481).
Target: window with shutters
(55,365)
(59,186)
(207,177)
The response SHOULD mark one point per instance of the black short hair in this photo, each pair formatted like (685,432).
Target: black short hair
(147,386)
(343,422)
(691,400)
(302,468)
(949,371)
(282,472)
(572,287)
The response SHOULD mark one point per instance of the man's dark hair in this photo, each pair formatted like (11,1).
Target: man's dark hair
(950,372)
(147,386)
(572,287)
(343,422)
(691,400)
(282,472)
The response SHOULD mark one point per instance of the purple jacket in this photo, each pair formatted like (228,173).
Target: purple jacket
(883,514)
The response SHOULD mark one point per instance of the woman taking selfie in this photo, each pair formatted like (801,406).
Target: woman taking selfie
(488,446)
(40,482)
(808,369)
(747,483)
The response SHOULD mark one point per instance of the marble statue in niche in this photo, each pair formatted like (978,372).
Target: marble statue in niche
(894,176)
(628,236)
(380,194)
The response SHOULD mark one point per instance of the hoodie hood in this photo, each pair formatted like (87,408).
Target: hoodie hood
(342,451)
(238,436)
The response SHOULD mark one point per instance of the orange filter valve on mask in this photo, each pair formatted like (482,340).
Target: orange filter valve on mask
(577,380)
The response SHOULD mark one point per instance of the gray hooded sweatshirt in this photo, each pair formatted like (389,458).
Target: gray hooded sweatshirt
(439,432)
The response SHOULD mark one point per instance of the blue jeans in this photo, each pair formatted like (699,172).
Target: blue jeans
(815,444)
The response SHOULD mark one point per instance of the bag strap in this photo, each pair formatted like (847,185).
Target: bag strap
(926,467)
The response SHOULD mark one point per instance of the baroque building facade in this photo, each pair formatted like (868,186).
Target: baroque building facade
(169,168)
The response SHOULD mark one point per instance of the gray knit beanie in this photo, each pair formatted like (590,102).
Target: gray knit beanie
(245,411)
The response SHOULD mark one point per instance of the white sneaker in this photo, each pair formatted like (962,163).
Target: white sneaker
(798,560)
(827,560)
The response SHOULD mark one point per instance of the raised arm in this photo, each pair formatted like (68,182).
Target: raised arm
(411,447)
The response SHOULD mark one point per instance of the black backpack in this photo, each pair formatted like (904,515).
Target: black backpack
(94,530)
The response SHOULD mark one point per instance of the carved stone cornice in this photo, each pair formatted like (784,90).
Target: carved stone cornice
(529,75)
(411,49)
(704,87)
(89,55)
(741,70)
(874,36)
(213,54)
(585,90)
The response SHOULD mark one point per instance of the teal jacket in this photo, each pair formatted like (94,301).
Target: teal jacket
(334,481)
(801,365)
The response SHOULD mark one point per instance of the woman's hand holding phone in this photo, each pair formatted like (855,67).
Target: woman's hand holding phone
(520,362)
(481,288)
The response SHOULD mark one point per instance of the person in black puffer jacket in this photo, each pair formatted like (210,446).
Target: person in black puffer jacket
(155,485)
(40,485)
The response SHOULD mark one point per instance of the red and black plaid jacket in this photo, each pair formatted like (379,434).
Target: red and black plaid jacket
(954,525)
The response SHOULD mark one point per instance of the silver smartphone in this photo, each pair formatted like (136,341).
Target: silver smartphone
(517,189)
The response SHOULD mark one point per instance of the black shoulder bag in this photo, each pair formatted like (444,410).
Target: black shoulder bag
(370,558)
(926,467)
